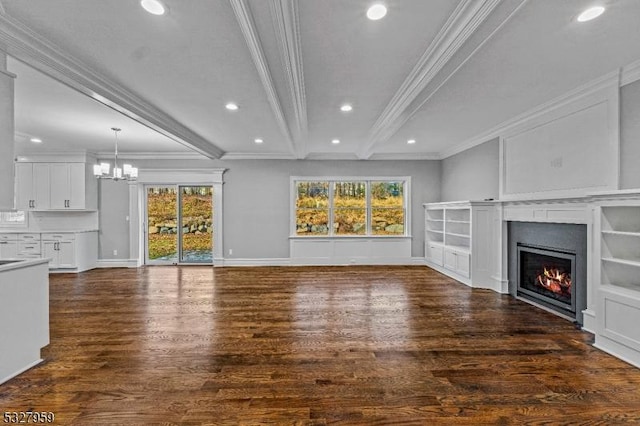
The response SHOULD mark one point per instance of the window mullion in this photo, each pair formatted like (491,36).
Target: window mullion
(369,212)
(331,207)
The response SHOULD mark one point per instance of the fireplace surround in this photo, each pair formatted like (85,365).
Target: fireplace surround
(547,266)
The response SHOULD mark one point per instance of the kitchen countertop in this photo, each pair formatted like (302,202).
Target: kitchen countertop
(20,263)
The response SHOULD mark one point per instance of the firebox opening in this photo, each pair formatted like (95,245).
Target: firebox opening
(546,276)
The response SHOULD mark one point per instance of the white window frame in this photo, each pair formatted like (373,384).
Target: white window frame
(406,188)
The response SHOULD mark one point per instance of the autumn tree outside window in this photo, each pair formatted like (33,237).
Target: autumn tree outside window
(350,207)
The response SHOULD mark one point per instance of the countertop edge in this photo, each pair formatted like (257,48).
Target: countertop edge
(22,263)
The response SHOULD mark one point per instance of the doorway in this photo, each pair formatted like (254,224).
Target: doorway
(179,224)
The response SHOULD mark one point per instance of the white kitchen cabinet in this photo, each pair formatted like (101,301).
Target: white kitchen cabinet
(460,241)
(55,186)
(32,186)
(29,246)
(8,246)
(61,249)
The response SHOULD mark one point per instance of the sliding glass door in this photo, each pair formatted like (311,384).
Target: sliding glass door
(179,222)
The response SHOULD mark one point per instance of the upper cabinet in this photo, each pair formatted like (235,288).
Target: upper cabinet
(55,186)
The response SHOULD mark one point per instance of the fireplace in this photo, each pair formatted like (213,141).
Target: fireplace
(547,266)
(546,275)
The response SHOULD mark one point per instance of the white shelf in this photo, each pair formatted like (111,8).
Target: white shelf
(435,220)
(622,233)
(622,262)
(458,221)
(435,232)
(458,235)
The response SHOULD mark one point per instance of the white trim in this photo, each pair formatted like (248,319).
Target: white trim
(254,262)
(117,263)
(605,81)
(406,188)
(424,97)
(137,231)
(257,156)
(287,28)
(38,52)
(58,157)
(247,26)
(630,73)
(180,176)
(331,156)
(462,23)
(405,156)
(157,155)
(604,90)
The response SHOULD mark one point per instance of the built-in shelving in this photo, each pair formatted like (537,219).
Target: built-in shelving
(449,241)
(618,296)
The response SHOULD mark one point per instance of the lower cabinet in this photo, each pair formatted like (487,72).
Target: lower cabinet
(457,261)
(435,253)
(8,246)
(61,249)
(67,251)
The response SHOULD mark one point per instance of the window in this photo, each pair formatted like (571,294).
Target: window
(13,218)
(350,207)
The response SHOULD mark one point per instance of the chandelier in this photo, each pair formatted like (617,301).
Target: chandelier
(126,172)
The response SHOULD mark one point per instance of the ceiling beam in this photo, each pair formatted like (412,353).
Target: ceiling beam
(287,27)
(462,23)
(247,26)
(22,43)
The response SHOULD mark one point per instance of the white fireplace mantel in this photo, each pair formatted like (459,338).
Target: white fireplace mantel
(574,210)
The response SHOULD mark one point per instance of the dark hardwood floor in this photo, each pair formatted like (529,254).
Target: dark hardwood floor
(317,345)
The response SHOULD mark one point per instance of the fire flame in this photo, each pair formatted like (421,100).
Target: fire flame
(554,280)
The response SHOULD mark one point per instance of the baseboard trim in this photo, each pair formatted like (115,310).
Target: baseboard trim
(20,371)
(117,263)
(254,262)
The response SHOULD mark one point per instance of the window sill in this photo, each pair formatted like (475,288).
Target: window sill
(348,237)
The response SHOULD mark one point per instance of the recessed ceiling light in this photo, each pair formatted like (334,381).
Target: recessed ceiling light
(231,106)
(411,141)
(591,13)
(335,141)
(346,108)
(36,140)
(377,11)
(258,140)
(153,6)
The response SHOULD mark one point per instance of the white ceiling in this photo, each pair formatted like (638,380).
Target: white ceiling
(442,72)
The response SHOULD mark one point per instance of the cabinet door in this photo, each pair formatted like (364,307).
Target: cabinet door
(49,250)
(66,254)
(8,249)
(24,186)
(41,186)
(435,253)
(462,264)
(450,260)
(76,186)
(59,174)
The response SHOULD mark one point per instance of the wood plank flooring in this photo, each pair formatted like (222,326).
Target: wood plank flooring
(312,346)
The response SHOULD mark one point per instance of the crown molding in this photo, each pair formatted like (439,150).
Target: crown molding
(287,28)
(29,47)
(630,73)
(247,26)
(607,81)
(154,155)
(257,156)
(331,156)
(462,23)
(420,156)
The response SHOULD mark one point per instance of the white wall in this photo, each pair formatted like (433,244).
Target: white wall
(256,200)
(472,174)
(630,136)
(113,205)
